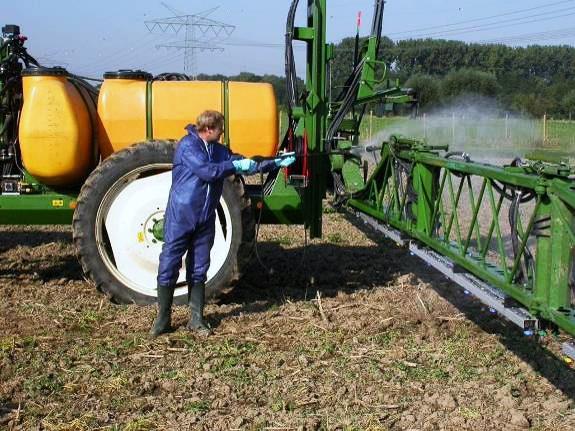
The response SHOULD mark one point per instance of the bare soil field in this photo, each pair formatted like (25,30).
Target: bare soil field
(344,333)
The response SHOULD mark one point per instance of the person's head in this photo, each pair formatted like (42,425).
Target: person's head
(210,125)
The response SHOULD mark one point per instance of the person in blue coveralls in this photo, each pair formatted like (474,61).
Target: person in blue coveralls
(201,164)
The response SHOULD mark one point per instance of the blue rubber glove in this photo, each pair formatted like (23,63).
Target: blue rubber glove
(284,162)
(244,166)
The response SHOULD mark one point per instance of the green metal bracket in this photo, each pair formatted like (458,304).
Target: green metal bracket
(283,206)
(330,51)
(226,105)
(394,95)
(368,80)
(298,112)
(349,125)
(306,34)
(352,175)
(312,101)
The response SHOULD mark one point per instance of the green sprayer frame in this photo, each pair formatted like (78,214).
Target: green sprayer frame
(514,246)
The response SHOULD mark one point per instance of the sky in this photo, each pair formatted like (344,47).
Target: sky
(91,37)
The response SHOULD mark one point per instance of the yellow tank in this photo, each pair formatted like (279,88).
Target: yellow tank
(132,110)
(253,119)
(175,104)
(122,110)
(55,129)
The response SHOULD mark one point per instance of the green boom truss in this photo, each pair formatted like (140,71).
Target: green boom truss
(512,227)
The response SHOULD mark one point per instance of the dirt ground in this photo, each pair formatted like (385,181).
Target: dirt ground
(347,333)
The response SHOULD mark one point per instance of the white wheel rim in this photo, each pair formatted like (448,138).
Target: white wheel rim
(128,249)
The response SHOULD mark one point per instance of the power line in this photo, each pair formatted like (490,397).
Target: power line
(125,62)
(253,44)
(481,19)
(50,62)
(119,53)
(540,36)
(500,24)
(160,63)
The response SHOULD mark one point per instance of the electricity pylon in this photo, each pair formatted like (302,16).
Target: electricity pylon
(200,34)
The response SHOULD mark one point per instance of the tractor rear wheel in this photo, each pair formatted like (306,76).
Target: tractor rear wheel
(118,226)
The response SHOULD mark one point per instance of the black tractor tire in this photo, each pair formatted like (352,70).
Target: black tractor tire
(116,169)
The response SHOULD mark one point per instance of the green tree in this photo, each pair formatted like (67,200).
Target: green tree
(535,105)
(568,104)
(427,88)
(470,81)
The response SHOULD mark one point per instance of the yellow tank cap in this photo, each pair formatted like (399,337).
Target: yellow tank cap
(136,75)
(45,71)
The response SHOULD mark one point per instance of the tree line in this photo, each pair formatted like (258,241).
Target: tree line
(533,80)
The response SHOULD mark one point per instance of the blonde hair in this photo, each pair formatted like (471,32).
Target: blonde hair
(210,120)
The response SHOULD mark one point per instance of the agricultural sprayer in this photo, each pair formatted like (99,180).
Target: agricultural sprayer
(101,159)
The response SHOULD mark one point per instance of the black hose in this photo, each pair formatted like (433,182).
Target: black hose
(356,49)
(290,70)
(9,82)
(86,78)
(346,105)
(348,97)
(377,23)
(7,121)
(29,60)
(171,76)
(93,91)
(527,195)
(349,81)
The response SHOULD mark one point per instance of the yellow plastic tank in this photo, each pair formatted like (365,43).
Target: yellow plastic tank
(133,108)
(55,129)
(175,104)
(253,119)
(122,110)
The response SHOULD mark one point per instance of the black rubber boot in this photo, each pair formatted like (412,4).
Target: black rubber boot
(196,301)
(163,322)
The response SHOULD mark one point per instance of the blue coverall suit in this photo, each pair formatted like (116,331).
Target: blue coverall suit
(198,175)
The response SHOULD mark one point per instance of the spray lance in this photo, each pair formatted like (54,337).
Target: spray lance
(281,155)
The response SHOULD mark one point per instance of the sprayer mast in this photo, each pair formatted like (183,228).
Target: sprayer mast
(320,130)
